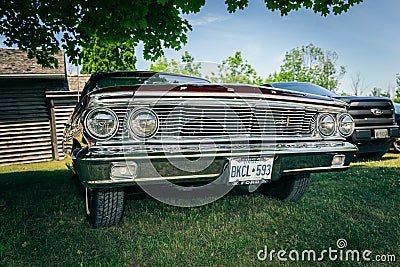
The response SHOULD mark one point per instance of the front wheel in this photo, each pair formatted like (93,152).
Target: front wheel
(289,188)
(396,145)
(105,206)
(372,155)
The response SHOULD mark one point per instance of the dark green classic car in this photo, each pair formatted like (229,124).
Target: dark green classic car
(187,142)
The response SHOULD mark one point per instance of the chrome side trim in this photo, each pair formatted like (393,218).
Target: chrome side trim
(216,139)
(203,176)
(331,168)
(228,154)
(213,175)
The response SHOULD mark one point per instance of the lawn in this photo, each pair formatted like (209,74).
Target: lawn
(42,222)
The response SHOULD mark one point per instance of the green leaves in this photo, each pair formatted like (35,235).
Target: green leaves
(187,66)
(310,64)
(100,56)
(235,69)
(397,99)
(43,27)
(189,6)
(322,7)
(234,5)
(376,91)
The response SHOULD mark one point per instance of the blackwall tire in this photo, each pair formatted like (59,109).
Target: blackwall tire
(372,155)
(105,206)
(289,188)
(396,146)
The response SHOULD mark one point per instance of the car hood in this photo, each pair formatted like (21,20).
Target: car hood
(212,90)
(350,99)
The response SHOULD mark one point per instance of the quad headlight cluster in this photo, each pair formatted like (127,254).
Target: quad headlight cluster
(328,124)
(102,123)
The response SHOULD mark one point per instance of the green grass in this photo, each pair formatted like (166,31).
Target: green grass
(42,222)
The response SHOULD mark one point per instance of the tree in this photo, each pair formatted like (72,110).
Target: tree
(190,68)
(398,81)
(43,27)
(107,57)
(187,66)
(397,98)
(235,70)
(357,84)
(310,64)
(378,92)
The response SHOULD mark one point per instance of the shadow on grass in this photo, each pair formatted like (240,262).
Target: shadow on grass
(28,196)
(31,195)
(387,158)
(38,184)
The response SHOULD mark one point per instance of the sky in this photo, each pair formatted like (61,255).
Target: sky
(366,39)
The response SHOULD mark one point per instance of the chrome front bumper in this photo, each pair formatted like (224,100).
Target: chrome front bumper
(94,165)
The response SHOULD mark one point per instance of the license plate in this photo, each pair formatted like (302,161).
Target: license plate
(381,133)
(247,171)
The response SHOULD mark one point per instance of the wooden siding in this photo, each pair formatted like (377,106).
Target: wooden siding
(24,125)
(32,122)
(61,105)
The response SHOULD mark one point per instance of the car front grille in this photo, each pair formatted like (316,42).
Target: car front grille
(222,120)
(362,112)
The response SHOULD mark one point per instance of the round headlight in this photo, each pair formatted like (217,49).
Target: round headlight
(326,124)
(101,123)
(345,125)
(143,122)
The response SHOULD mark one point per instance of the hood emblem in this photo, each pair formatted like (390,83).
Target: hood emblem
(283,122)
(376,111)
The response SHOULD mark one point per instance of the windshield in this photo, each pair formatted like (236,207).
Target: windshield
(308,88)
(154,79)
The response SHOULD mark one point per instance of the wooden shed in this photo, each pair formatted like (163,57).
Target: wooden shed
(26,133)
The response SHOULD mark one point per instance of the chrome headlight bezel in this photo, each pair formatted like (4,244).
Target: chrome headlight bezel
(140,133)
(323,122)
(340,121)
(90,128)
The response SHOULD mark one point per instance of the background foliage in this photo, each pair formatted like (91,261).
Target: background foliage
(99,57)
(310,64)
(187,66)
(397,98)
(43,27)
(235,69)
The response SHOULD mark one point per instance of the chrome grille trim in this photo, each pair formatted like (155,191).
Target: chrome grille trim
(203,120)
(208,119)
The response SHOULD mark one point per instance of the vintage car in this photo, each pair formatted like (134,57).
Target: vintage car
(187,142)
(375,126)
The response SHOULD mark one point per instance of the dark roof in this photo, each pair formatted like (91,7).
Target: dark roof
(14,62)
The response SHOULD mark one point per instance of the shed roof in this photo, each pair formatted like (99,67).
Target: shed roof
(77,82)
(15,62)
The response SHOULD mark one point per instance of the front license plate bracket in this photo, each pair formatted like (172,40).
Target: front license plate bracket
(250,170)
